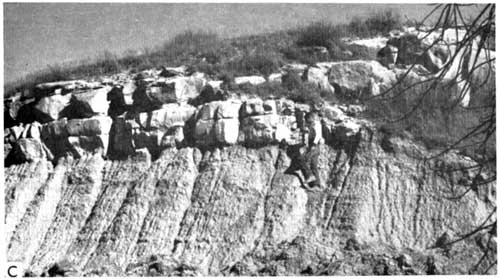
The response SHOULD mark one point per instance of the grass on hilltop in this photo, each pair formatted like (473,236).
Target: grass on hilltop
(206,52)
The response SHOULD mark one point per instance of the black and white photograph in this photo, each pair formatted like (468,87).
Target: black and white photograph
(249,139)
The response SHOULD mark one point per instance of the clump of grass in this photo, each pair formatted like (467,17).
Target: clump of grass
(379,23)
(258,63)
(190,43)
(325,34)
(320,33)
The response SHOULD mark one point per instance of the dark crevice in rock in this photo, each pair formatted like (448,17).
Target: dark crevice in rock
(341,191)
(420,193)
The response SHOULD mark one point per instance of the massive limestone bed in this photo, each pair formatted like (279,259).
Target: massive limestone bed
(234,210)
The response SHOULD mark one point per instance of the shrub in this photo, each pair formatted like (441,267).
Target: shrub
(291,53)
(320,33)
(343,52)
(307,93)
(138,61)
(211,56)
(53,73)
(361,52)
(384,22)
(191,41)
(208,68)
(187,46)
(227,80)
(376,24)
(291,81)
(358,27)
(106,64)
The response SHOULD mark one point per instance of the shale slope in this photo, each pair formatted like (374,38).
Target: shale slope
(234,210)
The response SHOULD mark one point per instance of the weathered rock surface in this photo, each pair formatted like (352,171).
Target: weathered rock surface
(360,77)
(387,55)
(253,80)
(83,186)
(217,123)
(268,122)
(232,231)
(117,242)
(154,130)
(93,102)
(12,106)
(194,213)
(177,89)
(267,129)
(50,88)
(319,77)
(49,108)
(20,189)
(28,150)
(172,198)
(168,116)
(77,136)
(128,90)
(173,71)
(373,44)
(34,223)
(412,50)
(297,69)
(118,180)
(275,77)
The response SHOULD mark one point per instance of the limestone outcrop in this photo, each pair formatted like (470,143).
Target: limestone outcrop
(217,123)
(253,80)
(319,77)
(49,108)
(268,122)
(77,136)
(360,78)
(169,172)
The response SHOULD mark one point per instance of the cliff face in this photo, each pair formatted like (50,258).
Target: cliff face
(235,211)
(173,172)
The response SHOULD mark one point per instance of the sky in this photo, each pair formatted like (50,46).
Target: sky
(40,34)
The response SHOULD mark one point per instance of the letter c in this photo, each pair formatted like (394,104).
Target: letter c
(8,271)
